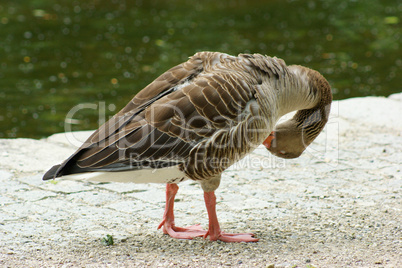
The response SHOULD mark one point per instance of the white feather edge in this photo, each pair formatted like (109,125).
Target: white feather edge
(160,175)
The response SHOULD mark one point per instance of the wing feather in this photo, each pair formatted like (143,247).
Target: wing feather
(180,118)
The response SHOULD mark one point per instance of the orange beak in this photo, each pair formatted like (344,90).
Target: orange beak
(268,141)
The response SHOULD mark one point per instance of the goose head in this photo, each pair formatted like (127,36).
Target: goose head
(287,141)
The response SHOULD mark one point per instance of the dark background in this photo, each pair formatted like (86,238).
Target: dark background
(58,54)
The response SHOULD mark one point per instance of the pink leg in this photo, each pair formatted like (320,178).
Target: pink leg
(168,219)
(214,230)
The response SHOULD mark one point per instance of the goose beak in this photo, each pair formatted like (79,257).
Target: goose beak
(268,141)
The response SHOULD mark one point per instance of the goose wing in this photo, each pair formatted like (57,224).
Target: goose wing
(184,108)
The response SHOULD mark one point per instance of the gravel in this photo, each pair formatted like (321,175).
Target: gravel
(338,205)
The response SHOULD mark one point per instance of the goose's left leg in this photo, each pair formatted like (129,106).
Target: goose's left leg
(214,230)
(168,218)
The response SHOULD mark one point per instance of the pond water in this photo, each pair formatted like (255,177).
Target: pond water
(100,53)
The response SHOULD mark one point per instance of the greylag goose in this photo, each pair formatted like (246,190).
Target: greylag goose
(196,120)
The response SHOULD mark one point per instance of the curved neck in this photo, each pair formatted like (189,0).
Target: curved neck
(311,120)
(309,93)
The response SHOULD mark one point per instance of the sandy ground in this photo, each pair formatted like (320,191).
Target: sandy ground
(338,205)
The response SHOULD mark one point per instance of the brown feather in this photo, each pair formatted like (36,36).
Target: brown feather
(202,115)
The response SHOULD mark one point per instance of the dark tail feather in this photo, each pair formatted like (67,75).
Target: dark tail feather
(52,173)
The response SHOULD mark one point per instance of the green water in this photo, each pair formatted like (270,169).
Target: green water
(97,53)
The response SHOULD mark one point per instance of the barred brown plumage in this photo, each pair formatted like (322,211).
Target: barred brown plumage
(197,119)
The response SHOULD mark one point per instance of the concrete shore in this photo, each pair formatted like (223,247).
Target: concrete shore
(338,205)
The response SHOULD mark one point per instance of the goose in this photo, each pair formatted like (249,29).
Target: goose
(197,119)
